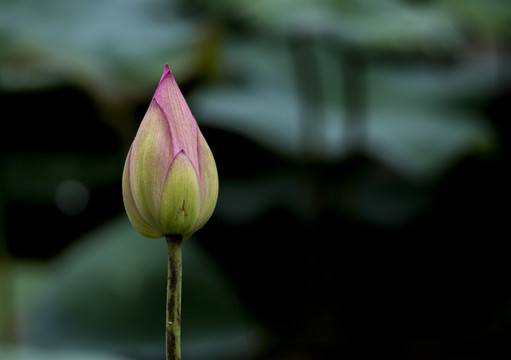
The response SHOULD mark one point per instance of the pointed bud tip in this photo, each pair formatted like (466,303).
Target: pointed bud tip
(166,72)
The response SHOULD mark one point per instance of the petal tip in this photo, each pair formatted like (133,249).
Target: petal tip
(166,72)
(167,76)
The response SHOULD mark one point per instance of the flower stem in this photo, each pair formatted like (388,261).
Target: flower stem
(173,334)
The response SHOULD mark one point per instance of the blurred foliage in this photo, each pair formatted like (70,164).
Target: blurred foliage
(371,24)
(413,124)
(112,285)
(35,52)
(11,353)
(353,122)
(98,45)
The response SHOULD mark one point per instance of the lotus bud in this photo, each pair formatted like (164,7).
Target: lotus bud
(170,180)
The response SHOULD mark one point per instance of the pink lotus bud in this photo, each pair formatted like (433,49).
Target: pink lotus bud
(170,181)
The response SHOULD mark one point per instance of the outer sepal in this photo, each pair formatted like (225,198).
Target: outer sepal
(208,182)
(180,201)
(149,163)
(136,219)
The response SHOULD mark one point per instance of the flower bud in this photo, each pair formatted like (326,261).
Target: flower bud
(170,181)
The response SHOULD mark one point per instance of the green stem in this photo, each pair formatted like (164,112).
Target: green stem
(173,334)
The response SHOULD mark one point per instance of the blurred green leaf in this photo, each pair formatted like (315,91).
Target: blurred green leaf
(108,293)
(370,24)
(489,18)
(109,47)
(262,105)
(417,122)
(414,122)
(10,352)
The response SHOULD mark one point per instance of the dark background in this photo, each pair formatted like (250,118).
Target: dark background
(361,149)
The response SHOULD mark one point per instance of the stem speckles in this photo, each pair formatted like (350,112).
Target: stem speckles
(173,333)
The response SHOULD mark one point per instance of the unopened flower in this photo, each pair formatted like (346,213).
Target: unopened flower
(170,181)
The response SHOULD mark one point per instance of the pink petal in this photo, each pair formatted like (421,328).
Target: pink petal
(183,127)
(165,72)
